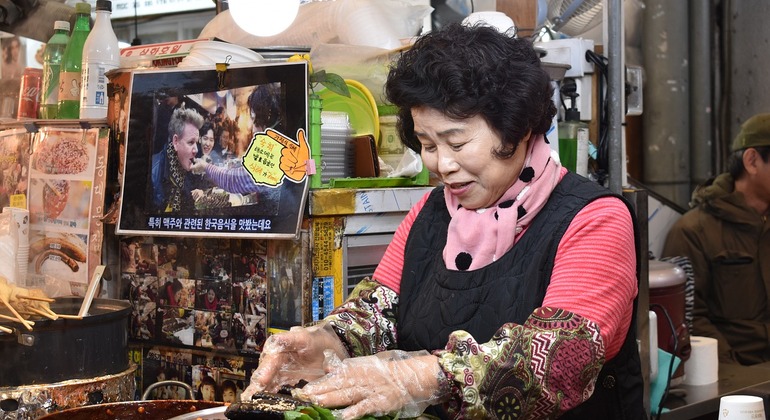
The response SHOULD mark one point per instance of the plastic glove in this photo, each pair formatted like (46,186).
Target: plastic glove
(292,356)
(390,381)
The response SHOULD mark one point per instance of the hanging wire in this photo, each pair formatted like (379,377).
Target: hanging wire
(674,352)
(601,64)
(136,41)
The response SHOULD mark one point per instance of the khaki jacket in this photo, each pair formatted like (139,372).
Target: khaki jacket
(728,243)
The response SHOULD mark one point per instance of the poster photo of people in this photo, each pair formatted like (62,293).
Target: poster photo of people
(217,154)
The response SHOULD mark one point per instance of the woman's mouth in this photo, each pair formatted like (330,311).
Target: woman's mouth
(458,188)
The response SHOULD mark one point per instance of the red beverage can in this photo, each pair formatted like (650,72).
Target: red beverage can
(29,93)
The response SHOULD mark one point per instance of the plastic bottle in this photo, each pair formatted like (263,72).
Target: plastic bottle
(52,56)
(69,77)
(100,55)
(571,130)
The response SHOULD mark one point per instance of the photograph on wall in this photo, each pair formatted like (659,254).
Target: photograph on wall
(215,259)
(163,364)
(178,325)
(143,295)
(214,295)
(176,257)
(138,256)
(205,383)
(250,332)
(176,292)
(220,154)
(288,272)
(14,167)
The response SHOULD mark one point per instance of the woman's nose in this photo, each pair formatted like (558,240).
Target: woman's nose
(446,162)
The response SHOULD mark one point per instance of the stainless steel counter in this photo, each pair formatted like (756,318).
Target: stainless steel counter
(690,402)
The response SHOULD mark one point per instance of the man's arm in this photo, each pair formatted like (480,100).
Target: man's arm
(683,241)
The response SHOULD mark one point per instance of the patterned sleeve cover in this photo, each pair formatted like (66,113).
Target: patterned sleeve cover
(539,369)
(366,322)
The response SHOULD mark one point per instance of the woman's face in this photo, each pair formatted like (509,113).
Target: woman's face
(211,295)
(186,146)
(228,395)
(460,152)
(207,142)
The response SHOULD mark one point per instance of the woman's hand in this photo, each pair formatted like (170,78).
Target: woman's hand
(292,356)
(387,382)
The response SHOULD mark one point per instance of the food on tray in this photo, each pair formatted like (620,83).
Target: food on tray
(68,155)
(263,406)
(55,195)
(213,199)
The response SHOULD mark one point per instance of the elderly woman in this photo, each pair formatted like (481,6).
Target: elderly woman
(508,291)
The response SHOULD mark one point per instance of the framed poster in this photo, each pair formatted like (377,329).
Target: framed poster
(216,154)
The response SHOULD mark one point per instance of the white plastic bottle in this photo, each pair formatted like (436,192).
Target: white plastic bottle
(100,55)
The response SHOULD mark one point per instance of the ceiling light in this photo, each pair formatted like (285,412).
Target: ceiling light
(264,17)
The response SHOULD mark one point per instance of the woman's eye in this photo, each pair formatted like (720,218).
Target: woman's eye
(428,148)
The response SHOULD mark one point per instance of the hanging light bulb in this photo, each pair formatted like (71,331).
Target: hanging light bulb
(264,17)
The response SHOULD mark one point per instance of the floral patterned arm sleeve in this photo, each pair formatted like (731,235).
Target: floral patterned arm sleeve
(538,370)
(366,321)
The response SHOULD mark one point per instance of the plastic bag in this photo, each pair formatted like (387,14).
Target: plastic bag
(376,23)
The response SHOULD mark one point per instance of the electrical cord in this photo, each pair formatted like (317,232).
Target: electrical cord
(601,64)
(673,356)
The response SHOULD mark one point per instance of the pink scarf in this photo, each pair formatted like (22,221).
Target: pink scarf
(476,238)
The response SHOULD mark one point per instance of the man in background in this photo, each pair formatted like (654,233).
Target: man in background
(725,235)
(171,166)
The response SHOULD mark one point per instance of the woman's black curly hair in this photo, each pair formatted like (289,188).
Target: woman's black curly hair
(467,71)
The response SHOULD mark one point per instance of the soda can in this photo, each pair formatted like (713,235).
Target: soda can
(29,93)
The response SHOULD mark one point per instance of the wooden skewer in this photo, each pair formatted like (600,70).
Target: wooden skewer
(44,313)
(69,316)
(10,318)
(13,311)
(40,299)
(6,330)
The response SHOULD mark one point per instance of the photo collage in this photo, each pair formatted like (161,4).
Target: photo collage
(207,297)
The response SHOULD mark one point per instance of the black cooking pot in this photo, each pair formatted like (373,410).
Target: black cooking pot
(154,409)
(64,349)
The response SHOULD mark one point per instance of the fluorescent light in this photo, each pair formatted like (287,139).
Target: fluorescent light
(264,17)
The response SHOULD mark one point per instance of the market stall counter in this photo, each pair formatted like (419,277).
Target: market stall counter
(702,401)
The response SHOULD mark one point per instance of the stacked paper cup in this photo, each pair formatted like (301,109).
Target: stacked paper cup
(21,216)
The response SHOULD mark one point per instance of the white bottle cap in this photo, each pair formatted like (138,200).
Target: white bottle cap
(61,24)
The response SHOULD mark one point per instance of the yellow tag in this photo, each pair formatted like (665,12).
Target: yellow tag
(18,201)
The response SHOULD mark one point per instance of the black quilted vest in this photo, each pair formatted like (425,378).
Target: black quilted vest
(435,301)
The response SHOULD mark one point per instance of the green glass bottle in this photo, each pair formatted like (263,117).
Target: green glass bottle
(70,76)
(52,55)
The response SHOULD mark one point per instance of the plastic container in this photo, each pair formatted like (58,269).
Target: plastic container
(667,299)
(70,75)
(52,57)
(100,55)
(570,131)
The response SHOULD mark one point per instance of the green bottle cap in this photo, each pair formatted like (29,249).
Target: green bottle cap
(83,8)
